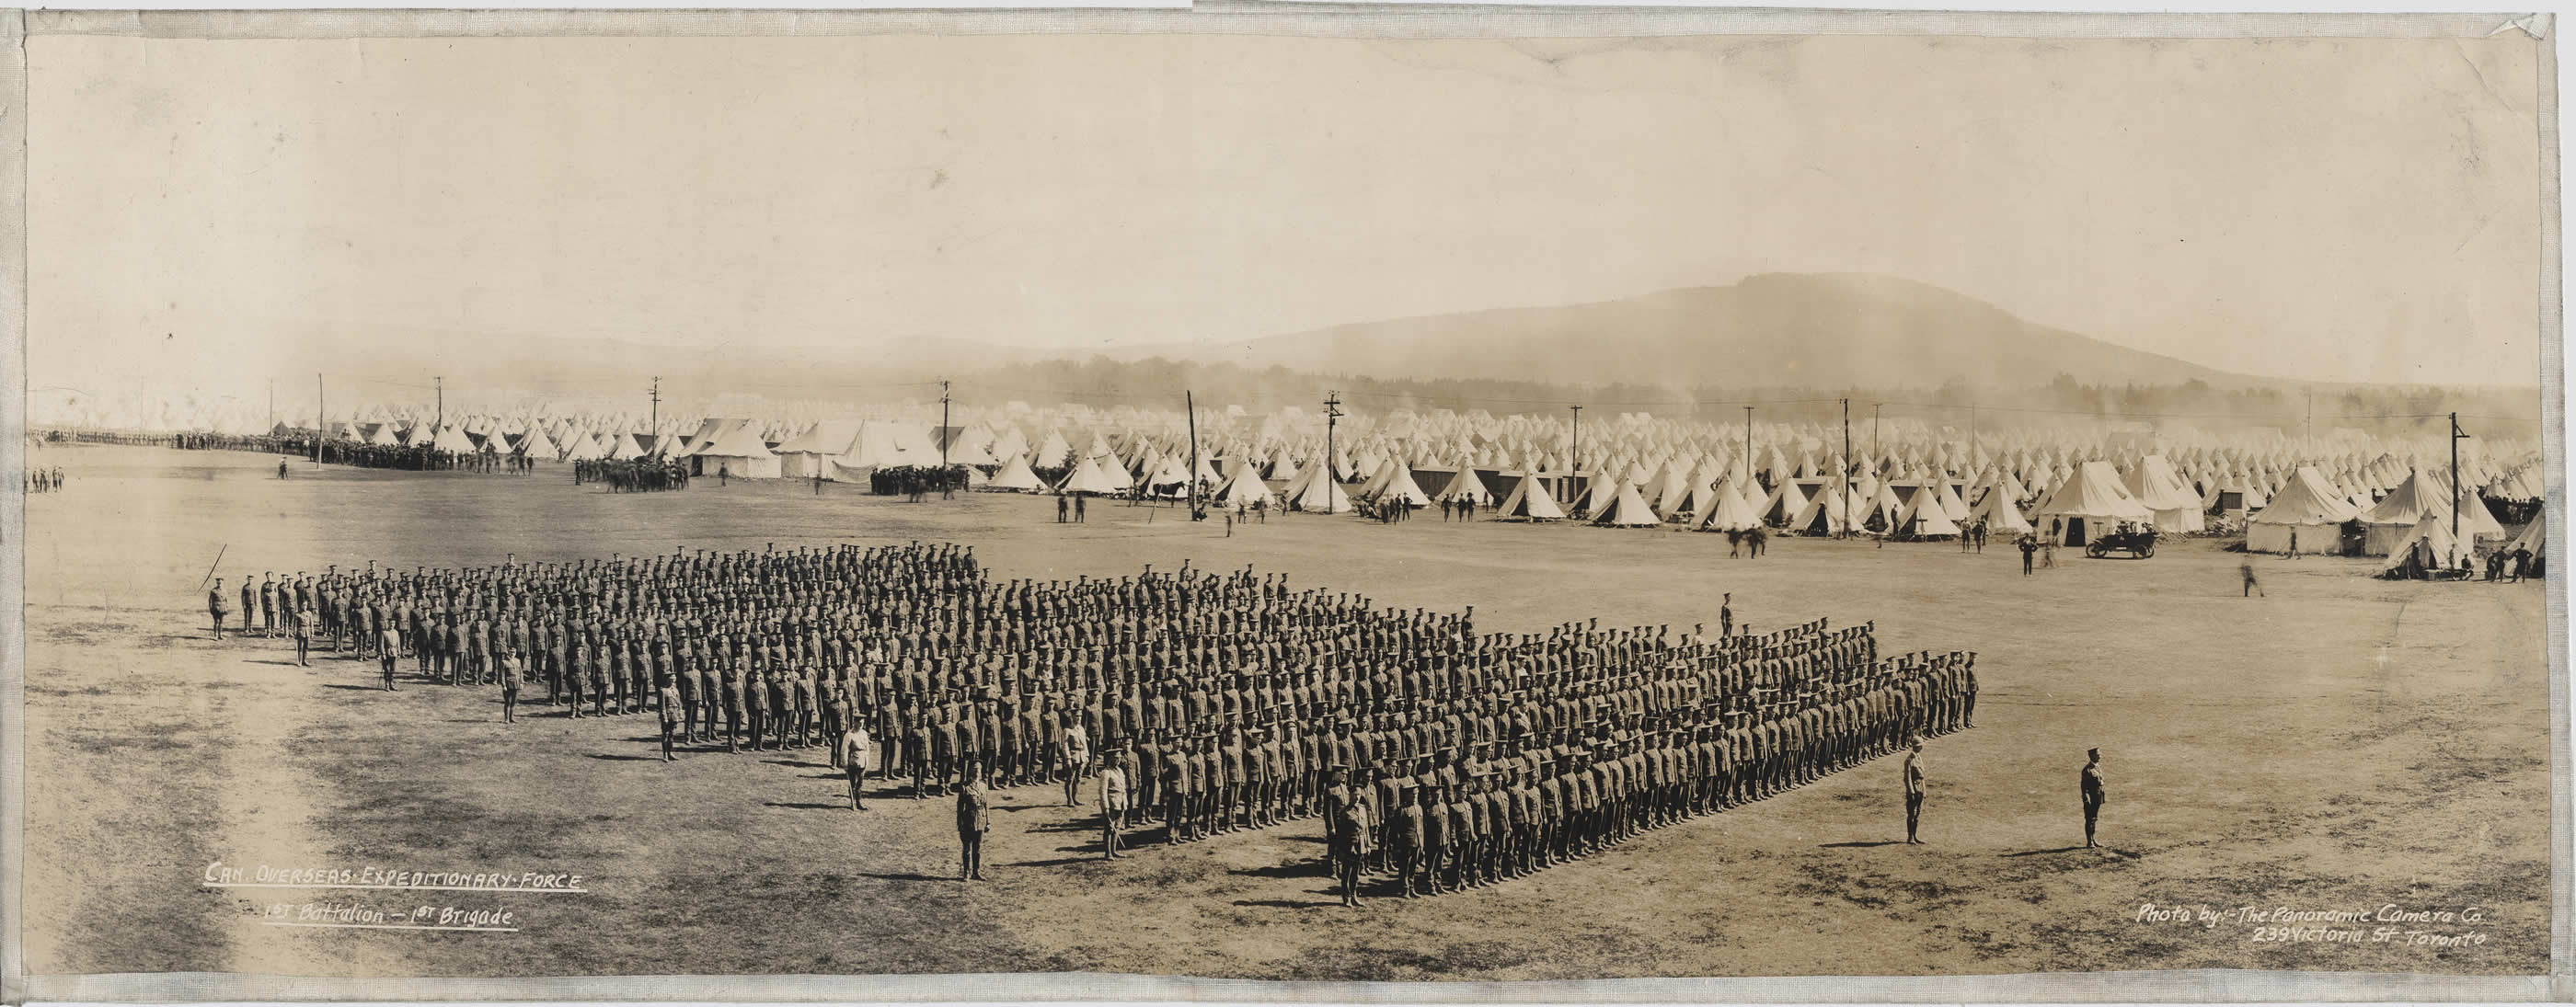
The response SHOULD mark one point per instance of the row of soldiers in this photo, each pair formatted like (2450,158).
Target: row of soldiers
(917,482)
(41,480)
(632,475)
(421,458)
(1227,700)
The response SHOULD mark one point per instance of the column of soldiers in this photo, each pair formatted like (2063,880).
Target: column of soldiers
(917,482)
(420,458)
(1230,701)
(262,443)
(632,475)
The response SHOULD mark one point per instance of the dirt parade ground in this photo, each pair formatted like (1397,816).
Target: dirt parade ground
(2348,774)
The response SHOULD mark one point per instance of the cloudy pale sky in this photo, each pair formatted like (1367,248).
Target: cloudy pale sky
(2323,209)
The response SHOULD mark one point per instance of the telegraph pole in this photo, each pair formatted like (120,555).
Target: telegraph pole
(1332,412)
(943,424)
(1190,405)
(1748,447)
(1873,438)
(442,401)
(1846,486)
(321,408)
(2455,480)
(656,396)
(1574,464)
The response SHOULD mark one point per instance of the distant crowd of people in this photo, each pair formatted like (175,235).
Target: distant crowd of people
(917,482)
(423,458)
(639,475)
(44,480)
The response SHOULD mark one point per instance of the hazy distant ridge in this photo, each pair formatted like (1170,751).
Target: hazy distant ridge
(1789,330)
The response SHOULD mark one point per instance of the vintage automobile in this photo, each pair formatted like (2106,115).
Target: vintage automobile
(2139,543)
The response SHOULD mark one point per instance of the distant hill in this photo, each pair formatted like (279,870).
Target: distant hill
(1772,330)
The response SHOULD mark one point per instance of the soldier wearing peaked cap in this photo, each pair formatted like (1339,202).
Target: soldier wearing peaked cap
(1409,839)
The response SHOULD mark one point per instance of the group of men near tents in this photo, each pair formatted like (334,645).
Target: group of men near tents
(639,475)
(1439,757)
(421,458)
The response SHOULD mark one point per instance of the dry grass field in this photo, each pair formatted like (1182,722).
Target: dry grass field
(2344,744)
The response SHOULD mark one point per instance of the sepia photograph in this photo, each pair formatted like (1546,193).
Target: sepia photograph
(1285,492)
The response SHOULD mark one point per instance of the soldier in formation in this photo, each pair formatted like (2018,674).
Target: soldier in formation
(1223,699)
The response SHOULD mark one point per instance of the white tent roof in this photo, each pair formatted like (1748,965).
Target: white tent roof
(1530,499)
(2305,499)
(1015,475)
(2093,493)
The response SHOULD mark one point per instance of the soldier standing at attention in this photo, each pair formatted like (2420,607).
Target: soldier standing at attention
(267,606)
(1074,753)
(1435,835)
(1113,806)
(216,606)
(857,753)
(666,701)
(250,603)
(388,640)
(510,669)
(1408,832)
(1726,614)
(1913,791)
(302,622)
(1351,841)
(972,804)
(737,688)
(2091,781)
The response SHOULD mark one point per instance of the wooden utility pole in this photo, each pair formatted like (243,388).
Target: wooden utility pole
(1332,412)
(1748,448)
(656,395)
(321,408)
(1189,404)
(943,424)
(2456,435)
(1845,477)
(1573,463)
(442,403)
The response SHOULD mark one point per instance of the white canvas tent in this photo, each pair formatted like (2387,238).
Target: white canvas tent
(1400,486)
(2429,543)
(736,450)
(1627,509)
(2304,511)
(1246,489)
(1730,512)
(815,451)
(1016,477)
(2087,503)
(1091,477)
(2158,488)
(2001,515)
(1529,500)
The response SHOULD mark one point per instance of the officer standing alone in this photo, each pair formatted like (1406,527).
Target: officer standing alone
(1913,792)
(2092,789)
